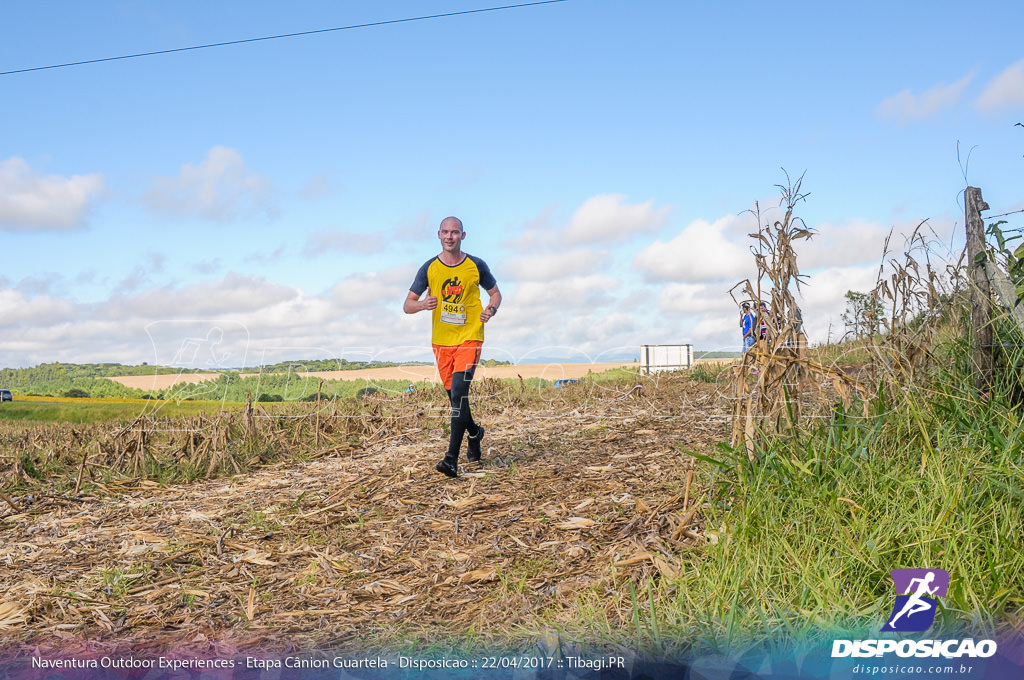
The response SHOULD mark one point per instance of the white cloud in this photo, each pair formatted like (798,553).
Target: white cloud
(601,331)
(212,323)
(573,304)
(711,318)
(701,252)
(415,229)
(207,267)
(30,201)
(695,298)
(230,296)
(20,308)
(554,266)
(854,241)
(366,289)
(262,258)
(906,106)
(584,295)
(576,316)
(700,264)
(319,186)
(1005,91)
(138,277)
(220,188)
(823,300)
(336,240)
(538,230)
(720,332)
(41,284)
(608,218)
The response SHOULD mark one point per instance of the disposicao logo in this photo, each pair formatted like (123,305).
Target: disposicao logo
(917,598)
(917,593)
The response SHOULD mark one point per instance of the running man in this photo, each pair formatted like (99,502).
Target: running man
(914,603)
(452,283)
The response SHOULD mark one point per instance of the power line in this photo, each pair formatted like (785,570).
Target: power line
(282,35)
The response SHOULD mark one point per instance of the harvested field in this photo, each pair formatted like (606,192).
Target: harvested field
(552,371)
(580,494)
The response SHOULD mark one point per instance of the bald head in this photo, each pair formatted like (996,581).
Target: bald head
(451,234)
(452,223)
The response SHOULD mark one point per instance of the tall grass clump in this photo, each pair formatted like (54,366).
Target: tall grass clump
(916,468)
(806,533)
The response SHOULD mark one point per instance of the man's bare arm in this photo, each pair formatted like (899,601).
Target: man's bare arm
(492,305)
(413,303)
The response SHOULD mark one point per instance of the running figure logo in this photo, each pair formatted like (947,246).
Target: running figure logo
(917,593)
(452,290)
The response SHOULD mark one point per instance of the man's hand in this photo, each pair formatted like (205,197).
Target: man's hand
(492,305)
(413,303)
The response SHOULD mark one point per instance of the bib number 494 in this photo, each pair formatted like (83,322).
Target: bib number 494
(453,314)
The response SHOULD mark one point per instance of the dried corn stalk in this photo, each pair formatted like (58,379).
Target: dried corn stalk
(771,382)
(914,296)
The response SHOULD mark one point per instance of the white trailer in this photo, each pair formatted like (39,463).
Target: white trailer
(658,358)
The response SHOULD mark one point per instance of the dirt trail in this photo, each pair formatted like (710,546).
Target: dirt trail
(584,492)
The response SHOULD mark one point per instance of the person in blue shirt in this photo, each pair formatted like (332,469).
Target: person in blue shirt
(747,323)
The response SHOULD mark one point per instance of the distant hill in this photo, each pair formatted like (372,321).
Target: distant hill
(315,365)
(58,379)
(320,365)
(80,380)
(58,370)
(700,354)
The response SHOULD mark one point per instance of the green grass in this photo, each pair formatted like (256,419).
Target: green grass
(804,535)
(101,411)
(710,373)
(613,375)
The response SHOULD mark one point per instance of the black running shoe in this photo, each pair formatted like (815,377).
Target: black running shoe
(473,447)
(446,468)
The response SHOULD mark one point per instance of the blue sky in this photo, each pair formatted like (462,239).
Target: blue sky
(273,200)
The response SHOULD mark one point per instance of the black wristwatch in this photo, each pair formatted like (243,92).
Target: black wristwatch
(494,310)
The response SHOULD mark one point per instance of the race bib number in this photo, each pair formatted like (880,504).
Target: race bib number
(453,314)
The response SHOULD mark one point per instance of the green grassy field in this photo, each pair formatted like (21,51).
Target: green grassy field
(54,409)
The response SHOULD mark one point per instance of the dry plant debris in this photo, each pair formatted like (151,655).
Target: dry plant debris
(777,379)
(581,492)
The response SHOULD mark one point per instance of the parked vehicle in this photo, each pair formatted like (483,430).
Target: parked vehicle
(5,395)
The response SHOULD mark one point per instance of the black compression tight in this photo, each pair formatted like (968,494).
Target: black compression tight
(462,418)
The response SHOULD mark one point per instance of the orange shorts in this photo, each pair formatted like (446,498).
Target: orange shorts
(457,359)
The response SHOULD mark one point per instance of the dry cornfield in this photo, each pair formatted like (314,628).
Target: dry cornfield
(356,540)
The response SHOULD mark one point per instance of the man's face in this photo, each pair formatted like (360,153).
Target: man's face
(451,236)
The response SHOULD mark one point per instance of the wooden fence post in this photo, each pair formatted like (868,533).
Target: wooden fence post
(981,289)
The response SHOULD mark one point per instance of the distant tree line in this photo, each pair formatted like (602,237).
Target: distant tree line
(319,365)
(18,377)
(278,382)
